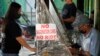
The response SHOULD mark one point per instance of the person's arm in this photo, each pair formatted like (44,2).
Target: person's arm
(23,43)
(70,20)
(17,33)
(87,53)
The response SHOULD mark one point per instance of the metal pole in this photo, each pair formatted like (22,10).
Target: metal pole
(97,14)
(90,3)
(37,48)
(31,16)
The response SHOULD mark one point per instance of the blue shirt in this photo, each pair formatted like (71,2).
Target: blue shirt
(93,39)
(68,11)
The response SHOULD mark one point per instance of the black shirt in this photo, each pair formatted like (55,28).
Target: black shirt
(68,11)
(10,44)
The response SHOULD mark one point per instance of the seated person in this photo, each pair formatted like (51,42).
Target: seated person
(89,39)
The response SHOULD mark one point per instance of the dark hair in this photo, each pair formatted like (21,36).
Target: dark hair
(12,11)
(92,12)
(90,23)
(1,20)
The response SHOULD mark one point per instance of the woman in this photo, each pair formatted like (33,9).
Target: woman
(13,34)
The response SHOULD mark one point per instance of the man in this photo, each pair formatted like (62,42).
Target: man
(89,39)
(69,14)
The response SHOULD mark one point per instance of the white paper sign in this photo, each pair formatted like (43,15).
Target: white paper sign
(46,32)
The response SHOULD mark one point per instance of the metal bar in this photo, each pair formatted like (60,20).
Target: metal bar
(30,9)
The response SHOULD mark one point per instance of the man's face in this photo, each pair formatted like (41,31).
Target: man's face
(83,28)
(68,1)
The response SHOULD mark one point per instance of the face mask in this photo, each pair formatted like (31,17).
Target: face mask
(82,31)
(18,16)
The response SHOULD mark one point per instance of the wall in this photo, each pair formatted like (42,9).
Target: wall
(22,3)
(59,4)
(4,4)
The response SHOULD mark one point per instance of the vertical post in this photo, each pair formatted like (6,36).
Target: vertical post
(85,4)
(37,8)
(90,4)
(86,7)
(31,16)
(37,54)
(97,14)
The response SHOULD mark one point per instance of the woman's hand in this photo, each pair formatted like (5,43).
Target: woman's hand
(33,49)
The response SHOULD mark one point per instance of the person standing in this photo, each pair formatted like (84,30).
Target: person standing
(68,17)
(69,14)
(13,40)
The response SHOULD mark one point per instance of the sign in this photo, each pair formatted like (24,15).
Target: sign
(46,32)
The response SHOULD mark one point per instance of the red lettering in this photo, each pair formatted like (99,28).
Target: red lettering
(50,37)
(45,26)
(40,37)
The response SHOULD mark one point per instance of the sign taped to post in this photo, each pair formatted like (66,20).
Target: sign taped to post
(46,32)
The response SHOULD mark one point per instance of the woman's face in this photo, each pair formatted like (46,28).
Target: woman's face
(19,14)
(19,11)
